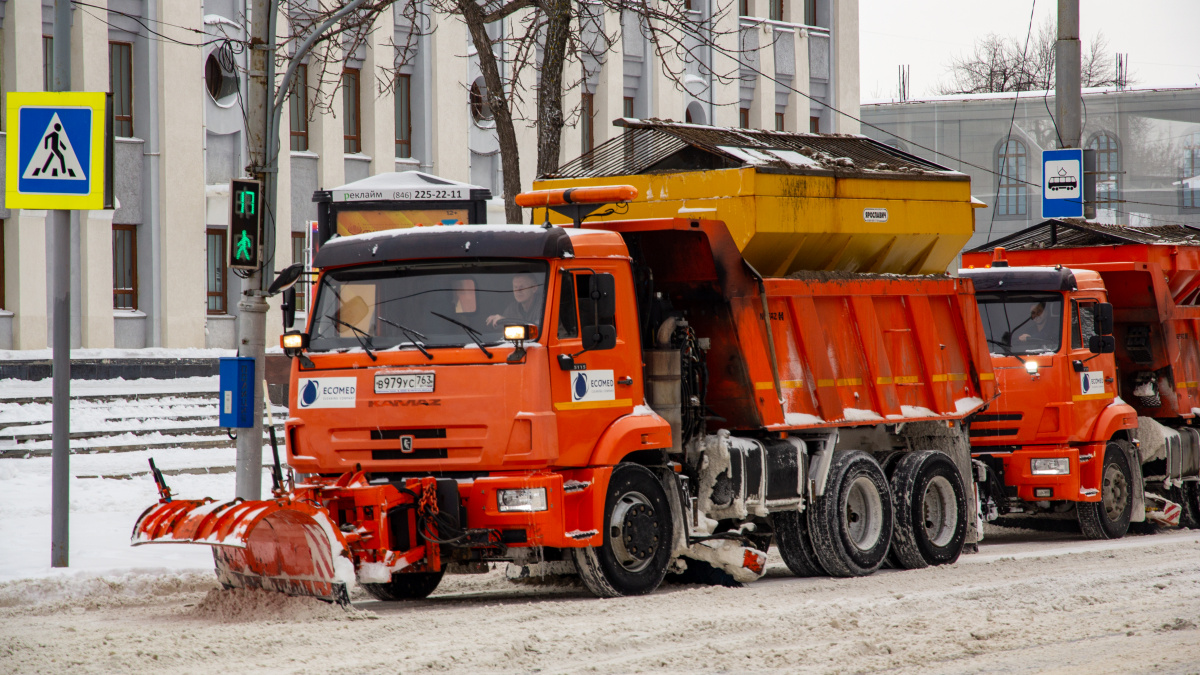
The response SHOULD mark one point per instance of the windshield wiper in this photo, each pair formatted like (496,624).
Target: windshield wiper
(471,332)
(364,338)
(411,334)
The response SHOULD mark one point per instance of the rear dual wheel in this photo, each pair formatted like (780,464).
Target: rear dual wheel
(850,527)
(931,511)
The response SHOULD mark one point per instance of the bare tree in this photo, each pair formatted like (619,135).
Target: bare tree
(1005,64)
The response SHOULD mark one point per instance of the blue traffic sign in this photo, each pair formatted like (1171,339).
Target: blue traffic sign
(57,159)
(1062,183)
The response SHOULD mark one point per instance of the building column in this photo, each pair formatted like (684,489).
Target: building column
(524,114)
(666,95)
(796,117)
(610,87)
(762,106)
(725,95)
(25,270)
(181,207)
(283,206)
(451,155)
(90,72)
(846,95)
(326,133)
(379,110)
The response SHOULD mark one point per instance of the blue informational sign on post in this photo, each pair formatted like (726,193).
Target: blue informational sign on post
(1062,183)
(237,392)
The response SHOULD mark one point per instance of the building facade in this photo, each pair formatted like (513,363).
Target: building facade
(153,272)
(1147,145)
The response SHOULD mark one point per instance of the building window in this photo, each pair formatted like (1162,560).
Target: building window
(776,13)
(481,109)
(120,83)
(404,116)
(744,8)
(814,124)
(218,297)
(351,112)
(1011,165)
(125,267)
(47,62)
(810,12)
(587,119)
(1190,181)
(1108,167)
(298,109)
(779,122)
(744,118)
(2,296)
(300,255)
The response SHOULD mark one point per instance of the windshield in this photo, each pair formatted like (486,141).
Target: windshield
(1021,323)
(396,304)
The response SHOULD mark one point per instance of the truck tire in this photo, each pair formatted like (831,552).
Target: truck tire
(795,543)
(931,511)
(851,524)
(406,586)
(1109,517)
(637,537)
(1191,504)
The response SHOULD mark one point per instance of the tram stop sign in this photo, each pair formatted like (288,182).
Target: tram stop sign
(245,224)
(1062,183)
(58,159)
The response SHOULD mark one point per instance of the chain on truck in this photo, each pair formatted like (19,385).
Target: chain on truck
(619,399)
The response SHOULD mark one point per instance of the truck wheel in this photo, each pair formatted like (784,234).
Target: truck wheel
(1191,504)
(795,543)
(851,525)
(406,586)
(931,511)
(1109,517)
(637,537)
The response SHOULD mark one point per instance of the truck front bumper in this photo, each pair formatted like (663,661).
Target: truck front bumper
(1081,483)
(572,518)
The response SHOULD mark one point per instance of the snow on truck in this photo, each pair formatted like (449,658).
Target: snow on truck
(1093,331)
(621,398)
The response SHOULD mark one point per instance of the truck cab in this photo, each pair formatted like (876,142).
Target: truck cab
(1044,439)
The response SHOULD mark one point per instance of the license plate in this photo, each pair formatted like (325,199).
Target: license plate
(418,383)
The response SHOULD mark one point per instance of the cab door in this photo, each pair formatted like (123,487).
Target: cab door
(591,388)
(1094,383)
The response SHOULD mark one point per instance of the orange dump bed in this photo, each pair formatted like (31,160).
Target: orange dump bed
(839,349)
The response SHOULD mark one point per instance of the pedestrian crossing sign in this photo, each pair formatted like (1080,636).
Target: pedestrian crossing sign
(57,159)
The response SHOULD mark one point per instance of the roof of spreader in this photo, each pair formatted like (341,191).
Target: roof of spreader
(1074,233)
(656,146)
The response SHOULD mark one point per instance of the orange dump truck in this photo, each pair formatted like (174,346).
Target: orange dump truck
(620,400)
(1095,338)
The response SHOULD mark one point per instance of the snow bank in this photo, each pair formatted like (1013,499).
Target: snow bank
(244,605)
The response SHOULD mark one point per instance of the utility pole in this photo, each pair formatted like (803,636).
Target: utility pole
(252,308)
(1066,75)
(60,457)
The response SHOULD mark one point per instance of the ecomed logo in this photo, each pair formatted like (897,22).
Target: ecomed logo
(309,394)
(580,388)
(327,392)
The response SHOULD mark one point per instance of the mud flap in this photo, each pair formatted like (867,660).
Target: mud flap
(1138,514)
(289,547)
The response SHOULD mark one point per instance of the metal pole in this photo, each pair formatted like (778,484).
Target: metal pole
(60,503)
(1067,96)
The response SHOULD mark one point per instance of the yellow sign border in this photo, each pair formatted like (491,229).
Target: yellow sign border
(93,200)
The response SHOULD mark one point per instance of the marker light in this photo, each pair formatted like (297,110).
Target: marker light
(523,499)
(292,340)
(1031,367)
(514,333)
(1050,466)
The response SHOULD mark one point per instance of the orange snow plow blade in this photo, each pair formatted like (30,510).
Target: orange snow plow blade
(279,545)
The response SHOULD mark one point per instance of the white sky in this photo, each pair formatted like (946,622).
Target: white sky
(1160,37)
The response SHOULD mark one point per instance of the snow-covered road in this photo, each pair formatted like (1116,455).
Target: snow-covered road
(1119,607)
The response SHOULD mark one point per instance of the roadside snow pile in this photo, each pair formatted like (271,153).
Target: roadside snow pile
(241,604)
(96,590)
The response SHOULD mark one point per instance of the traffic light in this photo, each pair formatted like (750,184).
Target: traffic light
(245,224)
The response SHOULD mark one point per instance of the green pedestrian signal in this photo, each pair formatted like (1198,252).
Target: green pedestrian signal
(245,224)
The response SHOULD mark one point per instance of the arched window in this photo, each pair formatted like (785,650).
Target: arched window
(1190,183)
(1108,168)
(1012,167)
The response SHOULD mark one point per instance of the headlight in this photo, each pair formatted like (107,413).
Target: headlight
(524,499)
(514,333)
(292,340)
(1050,466)
(1031,367)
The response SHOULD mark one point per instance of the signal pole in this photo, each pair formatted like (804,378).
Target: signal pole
(60,457)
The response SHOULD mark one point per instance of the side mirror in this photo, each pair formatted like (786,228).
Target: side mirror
(1104,318)
(286,278)
(599,337)
(288,305)
(604,294)
(1102,344)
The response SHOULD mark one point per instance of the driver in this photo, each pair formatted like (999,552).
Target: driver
(1039,328)
(526,305)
